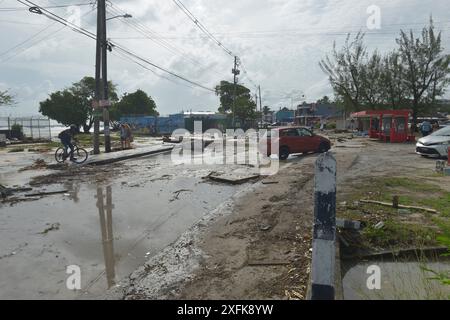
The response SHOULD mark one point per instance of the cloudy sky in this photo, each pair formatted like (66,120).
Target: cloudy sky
(280,43)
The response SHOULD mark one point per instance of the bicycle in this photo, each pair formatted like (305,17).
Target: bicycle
(80,155)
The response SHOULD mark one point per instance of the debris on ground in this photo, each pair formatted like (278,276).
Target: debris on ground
(53,227)
(379,225)
(393,205)
(232,178)
(6,192)
(39,164)
(348,224)
(270,182)
(41,194)
(177,194)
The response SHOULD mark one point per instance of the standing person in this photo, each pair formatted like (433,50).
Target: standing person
(129,136)
(66,137)
(435,126)
(426,128)
(123,135)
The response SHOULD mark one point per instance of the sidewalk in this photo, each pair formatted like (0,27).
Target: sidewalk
(107,158)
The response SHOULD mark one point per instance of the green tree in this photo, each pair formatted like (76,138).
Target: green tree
(412,76)
(392,78)
(266,110)
(136,103)
(85,90)
(426,69)
(6,98)
(64,107)
(344,70)
(324,100)
(245,106)
(74,104)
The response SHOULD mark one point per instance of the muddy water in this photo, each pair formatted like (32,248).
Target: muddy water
(399,281)
(108,230)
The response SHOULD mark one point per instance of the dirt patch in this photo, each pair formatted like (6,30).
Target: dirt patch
(262,250)
(81,174)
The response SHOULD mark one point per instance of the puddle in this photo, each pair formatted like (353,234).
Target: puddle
(106,230)
(399,281)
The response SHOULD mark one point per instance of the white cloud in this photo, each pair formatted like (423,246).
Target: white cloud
(279,41)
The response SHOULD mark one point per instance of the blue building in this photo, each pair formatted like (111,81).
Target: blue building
(154,125)
(285,116)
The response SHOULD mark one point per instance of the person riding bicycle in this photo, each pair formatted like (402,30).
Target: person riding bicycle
(66,139)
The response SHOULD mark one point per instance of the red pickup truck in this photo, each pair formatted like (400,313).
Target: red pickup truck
(297,140)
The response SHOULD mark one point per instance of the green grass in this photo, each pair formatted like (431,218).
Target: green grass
(398,231)
(14,150)
(396,234)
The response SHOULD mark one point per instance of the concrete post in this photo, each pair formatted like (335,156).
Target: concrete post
(323,255)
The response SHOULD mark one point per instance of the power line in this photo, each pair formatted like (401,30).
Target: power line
(191,16)
(34,36)
(154,37)
(89,34)
(48,7)
(128,58)
(160,68)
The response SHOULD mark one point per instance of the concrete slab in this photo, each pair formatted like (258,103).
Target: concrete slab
(107,158)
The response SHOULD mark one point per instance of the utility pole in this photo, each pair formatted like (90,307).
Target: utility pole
(96,104)
(105,91)
(260,99)
(260,105)
(235,72)
(101,77)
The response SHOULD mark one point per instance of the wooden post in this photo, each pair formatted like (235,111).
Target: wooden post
(395,202)
(324,250)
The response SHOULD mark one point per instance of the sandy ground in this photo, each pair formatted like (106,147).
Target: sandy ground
(211,241)
(259,246)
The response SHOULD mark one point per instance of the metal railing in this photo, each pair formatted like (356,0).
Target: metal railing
(36,128)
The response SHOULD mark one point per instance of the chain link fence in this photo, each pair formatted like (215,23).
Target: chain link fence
(35,128)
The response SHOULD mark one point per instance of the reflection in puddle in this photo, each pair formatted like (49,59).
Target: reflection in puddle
(105,212)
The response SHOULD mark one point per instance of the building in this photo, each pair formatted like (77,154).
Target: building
(285,116)
(308,114)
(163,125)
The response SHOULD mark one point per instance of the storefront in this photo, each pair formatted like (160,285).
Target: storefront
(386,125)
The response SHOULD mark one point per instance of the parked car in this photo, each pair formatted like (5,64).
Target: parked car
(297,140)
(436,144)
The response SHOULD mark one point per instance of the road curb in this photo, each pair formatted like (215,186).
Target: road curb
(127,157)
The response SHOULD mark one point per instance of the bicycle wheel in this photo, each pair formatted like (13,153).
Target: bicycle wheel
(81,156)
(59,155)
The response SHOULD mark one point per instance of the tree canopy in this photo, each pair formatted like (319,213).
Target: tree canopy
(410,77)
(245,106)
(5,98)
(74,104)
(136,103)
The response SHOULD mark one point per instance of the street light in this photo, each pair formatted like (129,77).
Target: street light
(126,15)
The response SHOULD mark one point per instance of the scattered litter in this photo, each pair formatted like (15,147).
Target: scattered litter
(270,182)
(386,204)
(233,179)
(37,165)
(164,177)
(40,194)
(348,224)
(379,225)
(404,211)
(177,194)
(265,227)
(53,227)
(5,192)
